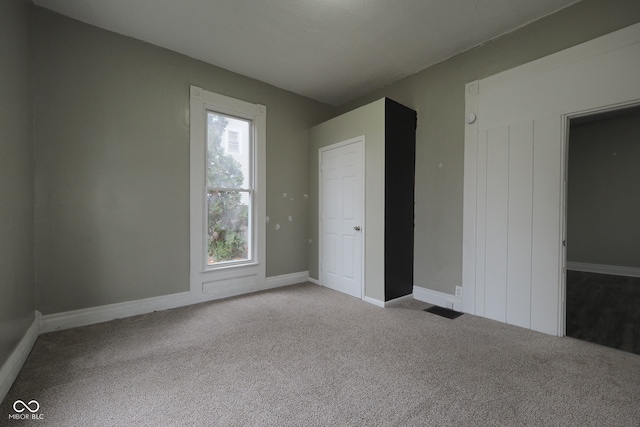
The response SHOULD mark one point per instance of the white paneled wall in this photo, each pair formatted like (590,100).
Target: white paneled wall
(518,262)
(514,186)
(520,227)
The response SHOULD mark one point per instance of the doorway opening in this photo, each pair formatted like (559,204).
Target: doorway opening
(602,277)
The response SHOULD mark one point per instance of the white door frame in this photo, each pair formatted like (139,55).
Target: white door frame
(598,75)
(321,151)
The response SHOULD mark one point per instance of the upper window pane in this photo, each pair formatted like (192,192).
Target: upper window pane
(228,152)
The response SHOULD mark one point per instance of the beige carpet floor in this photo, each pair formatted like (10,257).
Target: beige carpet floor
(308,356)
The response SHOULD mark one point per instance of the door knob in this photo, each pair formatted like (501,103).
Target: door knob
(357,228)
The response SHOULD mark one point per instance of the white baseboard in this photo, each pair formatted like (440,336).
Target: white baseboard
(11,367)
(437,298)
(373,301)
(603,269)
(104,313)
(399,300)
(286,279)
(314,281)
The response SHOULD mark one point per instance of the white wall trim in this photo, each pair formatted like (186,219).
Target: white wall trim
(603,269)
(286,279)
(437,298)
(373,301)
(398,301)
(314,281)
(105,313)
(11,367)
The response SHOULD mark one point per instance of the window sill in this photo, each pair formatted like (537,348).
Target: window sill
(230,268)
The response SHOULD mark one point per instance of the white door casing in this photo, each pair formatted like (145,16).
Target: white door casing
(341,216)
(515,169)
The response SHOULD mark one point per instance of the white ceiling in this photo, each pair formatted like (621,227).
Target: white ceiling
(329,50)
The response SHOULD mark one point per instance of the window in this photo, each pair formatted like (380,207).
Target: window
(229,190)
(228,208)
(233,145)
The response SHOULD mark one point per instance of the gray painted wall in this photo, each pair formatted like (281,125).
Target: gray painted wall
(17,294)
(112,165)
(437,94)
(368,121)
(111,156)
(603,202)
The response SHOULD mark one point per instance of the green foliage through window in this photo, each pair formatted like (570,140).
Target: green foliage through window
(227,202)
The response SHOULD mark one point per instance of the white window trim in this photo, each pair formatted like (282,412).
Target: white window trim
(235,279)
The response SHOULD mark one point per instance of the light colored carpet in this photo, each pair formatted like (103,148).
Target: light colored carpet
(308,356)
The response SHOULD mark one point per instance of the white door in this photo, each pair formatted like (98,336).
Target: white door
(341,213)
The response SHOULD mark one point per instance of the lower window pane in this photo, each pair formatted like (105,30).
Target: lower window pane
(227,226)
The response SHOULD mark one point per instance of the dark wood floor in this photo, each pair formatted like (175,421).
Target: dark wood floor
(604,309)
